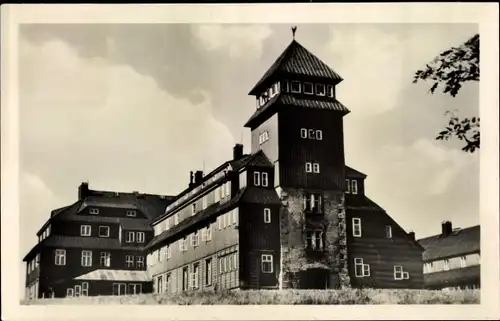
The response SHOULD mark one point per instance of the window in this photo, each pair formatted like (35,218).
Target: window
(167,224)
(130,237)
(140,237)
(194,276)
(267,215)
(361,269)
(348,186)
(308,167)
(131,213)
(176,219)
(320,89)
(208,272)
(256,178)
(354,186)
(129,261)
(388,231)
(183,244)
(105,259)
(159,284)
(37,260)
(94,211)
(103,231)
(303,133)
(209,232)
(264,179)
(312,202)
(295,86)
(204,204)
(329,91)
(139,262)
(319,134)
(235,213)
(85,288)
(85,230)
(86,258)
(267,263)
(308,88)
(356,227)
(60,257)
(169,252)
(193,208)
(185,281)
(399,274)
(195,239)
(134,288)
(168,282)
(314,240)
(221,265)
(69,292)
(463,261)
(78,290)
(316,168)
(263,137)
(446,265)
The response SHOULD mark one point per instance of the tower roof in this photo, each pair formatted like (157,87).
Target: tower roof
(299,61)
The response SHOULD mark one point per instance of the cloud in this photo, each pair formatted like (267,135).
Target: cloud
(88,119)
(381,60)
(237,41)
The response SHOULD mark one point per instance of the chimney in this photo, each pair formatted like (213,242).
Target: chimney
(83,190)
(198,177)
(237,151)
(412,235)
(191,179)
(446,228)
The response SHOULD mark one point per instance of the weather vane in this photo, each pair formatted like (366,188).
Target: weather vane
(294,29)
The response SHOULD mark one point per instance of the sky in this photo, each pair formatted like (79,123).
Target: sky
(135,107)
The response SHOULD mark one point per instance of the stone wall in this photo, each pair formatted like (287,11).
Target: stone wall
(293,238)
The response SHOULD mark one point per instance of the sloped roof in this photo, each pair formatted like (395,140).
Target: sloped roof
(460,242)
(256,159)
(296,59)
(361,202)
(452,277)
(116,275)
(351,172)
(284,99)
(255,195)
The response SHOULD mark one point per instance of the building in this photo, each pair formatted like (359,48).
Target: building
(289,214)
(452,258)
(94,246)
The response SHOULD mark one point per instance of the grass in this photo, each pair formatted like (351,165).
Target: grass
(288,297)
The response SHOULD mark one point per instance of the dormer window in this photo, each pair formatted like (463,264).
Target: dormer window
(260,179)
(295,86)
(193,208)
(348,186)
(256,179)
(94,211)
(264,179)
(308,88)
(131,213)
(320,90)
(329,91)
(354,186)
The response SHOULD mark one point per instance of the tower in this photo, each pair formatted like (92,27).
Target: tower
(298,124)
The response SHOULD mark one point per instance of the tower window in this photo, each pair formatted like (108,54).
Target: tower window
(356,227)
(94,211)
(256,178)
(267,215)
(319,134)
(388,231)
(308,88)
(354,186)
(295,86)
(320,90)
(348,186)
(329,91)
(312,202)
(264,179)
(316,168)
(303,133)
(267,263)
(314,240)
(308,167)
(263,137)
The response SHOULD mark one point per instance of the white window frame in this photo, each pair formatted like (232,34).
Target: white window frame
(319,134)
(85,230)
(93,211)
(130,237)
(69,292)
(267,258)
(296,82)
(86,258)
(139,261)
(354,186)
(60,257)
(388,231)
(78,290)
(234,214)
(103,228)
(169,251)
(140,237)
(204,202)
(131,213)
(316,168)
(308,167)
(463,261)
(303,133)
(312,88)
(167,223)
(183,244)
(176,218)
(264,179)
(318,92)
(195,239)
(208,271)
(209,232)
(267,215)
(348,186)
(106,257)
(446,265)
(256,178)
(193,208)
(329,91)
(356,222)
(129,261)
(398,272)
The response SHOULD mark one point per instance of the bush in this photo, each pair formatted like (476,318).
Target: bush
(287,297)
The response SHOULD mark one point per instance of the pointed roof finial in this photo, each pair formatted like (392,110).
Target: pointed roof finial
(294,29)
